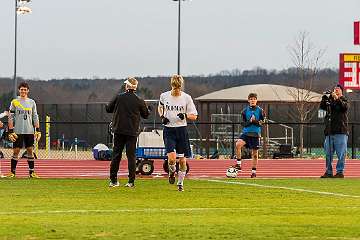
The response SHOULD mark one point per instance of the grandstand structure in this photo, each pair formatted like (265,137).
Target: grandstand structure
(226,106)
(224,128)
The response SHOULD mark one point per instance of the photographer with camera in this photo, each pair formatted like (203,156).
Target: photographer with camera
(336,130)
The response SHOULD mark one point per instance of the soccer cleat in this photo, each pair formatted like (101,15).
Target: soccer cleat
(114,184)
(180,188)
(326,175)
(33,175)
(237,167)
(11,175)
(338,175)
(171,177)
(253,175)
(129,185)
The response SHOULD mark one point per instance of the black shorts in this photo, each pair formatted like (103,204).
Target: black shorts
(251,142)
(24,139)
(176,139)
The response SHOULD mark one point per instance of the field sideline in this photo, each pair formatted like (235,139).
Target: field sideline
(208,209)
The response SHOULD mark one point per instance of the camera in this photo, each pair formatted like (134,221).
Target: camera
(327,96)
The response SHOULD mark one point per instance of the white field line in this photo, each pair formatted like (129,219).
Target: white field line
(154,210)
(86,211)
(285,188)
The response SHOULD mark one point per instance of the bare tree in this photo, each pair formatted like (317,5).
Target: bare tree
(307,62)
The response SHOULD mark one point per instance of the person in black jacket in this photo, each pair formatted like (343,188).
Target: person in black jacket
(127,108)
(336,130)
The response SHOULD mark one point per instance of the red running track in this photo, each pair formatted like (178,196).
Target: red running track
(267,168)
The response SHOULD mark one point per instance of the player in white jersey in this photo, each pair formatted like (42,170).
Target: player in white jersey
(23,128)
(175,107)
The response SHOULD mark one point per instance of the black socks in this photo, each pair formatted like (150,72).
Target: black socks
(13,165)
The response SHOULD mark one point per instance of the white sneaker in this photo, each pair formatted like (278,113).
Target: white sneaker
(129,185)
(114,184)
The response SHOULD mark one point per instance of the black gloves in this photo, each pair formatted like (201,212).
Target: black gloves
(182,116)
(149,108)
(164,120)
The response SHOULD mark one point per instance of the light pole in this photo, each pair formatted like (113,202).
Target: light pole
(179,30)
(20,8)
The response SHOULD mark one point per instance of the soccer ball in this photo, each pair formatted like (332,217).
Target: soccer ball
(231,172)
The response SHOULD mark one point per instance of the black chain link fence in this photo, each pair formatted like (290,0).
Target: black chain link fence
(76,139)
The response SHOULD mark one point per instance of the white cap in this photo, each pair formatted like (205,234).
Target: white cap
(3,115)
(130,85)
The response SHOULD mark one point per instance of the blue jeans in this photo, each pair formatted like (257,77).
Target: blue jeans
(338,143)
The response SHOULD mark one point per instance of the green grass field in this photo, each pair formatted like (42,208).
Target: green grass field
(226,209)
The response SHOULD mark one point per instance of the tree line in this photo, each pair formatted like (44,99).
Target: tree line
(101,90)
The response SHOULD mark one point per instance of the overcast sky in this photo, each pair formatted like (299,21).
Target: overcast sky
(119,38)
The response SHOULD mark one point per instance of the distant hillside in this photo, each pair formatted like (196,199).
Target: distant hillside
(101,90)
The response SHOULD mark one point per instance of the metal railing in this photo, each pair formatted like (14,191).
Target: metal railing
(75,140)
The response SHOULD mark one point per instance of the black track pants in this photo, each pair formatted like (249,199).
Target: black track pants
(121,141)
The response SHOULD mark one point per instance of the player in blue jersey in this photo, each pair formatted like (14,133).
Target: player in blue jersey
(253,116)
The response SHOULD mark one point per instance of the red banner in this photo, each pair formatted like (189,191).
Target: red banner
(357,33)
(349,70)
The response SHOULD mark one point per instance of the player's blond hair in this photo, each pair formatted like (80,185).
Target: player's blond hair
(177,81)
(131,83)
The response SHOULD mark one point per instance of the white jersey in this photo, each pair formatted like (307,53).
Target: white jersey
(173,105)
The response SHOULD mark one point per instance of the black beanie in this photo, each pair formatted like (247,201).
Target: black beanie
(340,86)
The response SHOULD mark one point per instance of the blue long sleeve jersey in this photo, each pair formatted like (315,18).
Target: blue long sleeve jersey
(252,129)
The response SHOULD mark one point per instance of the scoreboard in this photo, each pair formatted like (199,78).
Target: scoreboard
(349,70)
